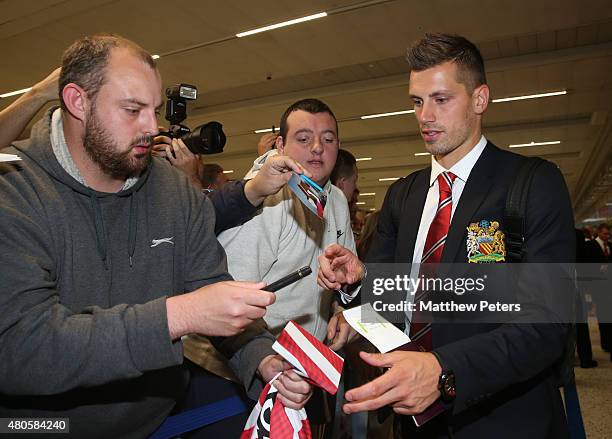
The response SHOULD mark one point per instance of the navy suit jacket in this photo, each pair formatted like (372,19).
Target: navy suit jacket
(505,373)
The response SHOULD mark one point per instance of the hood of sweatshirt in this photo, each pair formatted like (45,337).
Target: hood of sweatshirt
(45,158)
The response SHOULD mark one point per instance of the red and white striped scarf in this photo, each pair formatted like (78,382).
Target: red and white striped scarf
(311,359)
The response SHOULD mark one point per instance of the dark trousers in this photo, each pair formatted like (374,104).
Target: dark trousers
(604,317)
(583,339)
(605,332)
(583,343)
(205,388)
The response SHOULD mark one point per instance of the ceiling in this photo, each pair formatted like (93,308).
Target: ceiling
(353,59)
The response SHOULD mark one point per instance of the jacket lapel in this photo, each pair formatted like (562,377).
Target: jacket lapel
(474,193)
(411,216)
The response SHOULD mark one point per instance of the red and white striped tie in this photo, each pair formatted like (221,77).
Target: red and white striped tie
(420,328)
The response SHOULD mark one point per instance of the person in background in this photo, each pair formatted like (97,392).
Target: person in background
(367,234)
(358,221)
(266,143)
(598,251)
(344,175)
(212,176)
(583,338)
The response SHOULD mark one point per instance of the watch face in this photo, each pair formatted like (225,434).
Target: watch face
(447,386)
(449,389)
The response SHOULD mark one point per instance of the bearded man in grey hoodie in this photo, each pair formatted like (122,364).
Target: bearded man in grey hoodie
(109,257)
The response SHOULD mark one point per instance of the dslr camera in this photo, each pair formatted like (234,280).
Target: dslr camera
(204,139)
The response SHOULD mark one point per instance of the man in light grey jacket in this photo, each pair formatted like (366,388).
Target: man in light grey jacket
(285,235)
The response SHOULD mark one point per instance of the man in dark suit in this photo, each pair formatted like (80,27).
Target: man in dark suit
(583,338)
(598,251)
(504,373)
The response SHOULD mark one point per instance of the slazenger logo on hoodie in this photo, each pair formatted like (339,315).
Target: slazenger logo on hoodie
(156,242)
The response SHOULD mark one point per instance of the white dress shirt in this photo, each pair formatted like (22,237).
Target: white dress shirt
(603,245)
(462,170)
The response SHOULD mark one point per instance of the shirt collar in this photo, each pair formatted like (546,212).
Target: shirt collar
(327,186)
(463,167)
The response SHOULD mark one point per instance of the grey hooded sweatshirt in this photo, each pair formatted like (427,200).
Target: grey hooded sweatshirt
(83,284)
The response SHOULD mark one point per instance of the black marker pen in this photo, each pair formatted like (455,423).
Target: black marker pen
(288,280)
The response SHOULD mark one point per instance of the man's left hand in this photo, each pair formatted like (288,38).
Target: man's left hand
(409,386)
(293,390)
(339,332)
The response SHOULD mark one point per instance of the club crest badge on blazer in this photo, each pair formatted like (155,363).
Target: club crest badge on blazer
(485,242)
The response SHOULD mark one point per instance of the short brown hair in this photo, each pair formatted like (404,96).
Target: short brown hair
(312,106)
(345,166)
(435,49)
(603,226)
(209,173)
(85,61)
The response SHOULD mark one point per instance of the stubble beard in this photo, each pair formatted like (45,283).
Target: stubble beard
(453,141)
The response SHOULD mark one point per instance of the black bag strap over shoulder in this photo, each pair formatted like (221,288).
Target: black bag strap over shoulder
(515,213)
(516,207)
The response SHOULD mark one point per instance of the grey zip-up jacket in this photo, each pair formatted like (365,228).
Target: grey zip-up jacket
(83,284)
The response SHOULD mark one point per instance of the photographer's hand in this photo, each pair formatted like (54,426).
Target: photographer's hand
(184,160)
(161,142)
(179,156)
(273,175)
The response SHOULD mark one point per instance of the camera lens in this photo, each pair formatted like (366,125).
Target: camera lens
(206,139)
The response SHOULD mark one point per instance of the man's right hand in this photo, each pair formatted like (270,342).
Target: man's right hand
(273,175)
(266,143)
(220,309)
(15,117)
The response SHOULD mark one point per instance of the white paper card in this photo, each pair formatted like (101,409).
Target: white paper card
(9,157)
(377,330)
